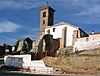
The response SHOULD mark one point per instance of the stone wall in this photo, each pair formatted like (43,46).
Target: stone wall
(63,39)
(47,43)
(21,44)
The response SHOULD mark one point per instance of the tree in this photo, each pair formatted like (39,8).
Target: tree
(16,44)
(25,48)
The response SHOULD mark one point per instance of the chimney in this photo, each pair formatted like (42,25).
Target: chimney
(93,32)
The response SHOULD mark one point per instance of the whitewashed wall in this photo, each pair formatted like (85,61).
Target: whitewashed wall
(17,60)
(58,32)
(83,44)
(70,35)
(24,61)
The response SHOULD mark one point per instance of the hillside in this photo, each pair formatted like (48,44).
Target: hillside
(84,60)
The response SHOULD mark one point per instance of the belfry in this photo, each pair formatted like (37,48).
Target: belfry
(46,18)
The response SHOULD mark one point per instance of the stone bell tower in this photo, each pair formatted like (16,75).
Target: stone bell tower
(46,18)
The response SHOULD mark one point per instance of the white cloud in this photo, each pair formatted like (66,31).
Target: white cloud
(85,7)
(94,10)
(83,11)
(20,4)
(8,26)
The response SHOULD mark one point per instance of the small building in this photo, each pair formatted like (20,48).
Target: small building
(24,62)
(95,36)
(17,60)
(86,43)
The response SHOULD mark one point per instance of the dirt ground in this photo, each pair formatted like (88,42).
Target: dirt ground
(83,62)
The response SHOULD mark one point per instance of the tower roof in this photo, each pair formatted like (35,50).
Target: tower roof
(47,7)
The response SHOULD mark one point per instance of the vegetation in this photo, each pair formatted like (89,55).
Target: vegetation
(16,44)
(25,48)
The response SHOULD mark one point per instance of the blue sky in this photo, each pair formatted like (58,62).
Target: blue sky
(20,18)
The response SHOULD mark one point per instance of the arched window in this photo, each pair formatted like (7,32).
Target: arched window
(43,21)
(53,29)
(44,14)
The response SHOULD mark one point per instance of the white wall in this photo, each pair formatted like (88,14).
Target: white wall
(17,60)
(37,63)
(58,33)
(70,35)
(39,67)
(24,61)
(83,44)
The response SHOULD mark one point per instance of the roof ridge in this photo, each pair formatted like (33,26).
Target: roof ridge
(64,23)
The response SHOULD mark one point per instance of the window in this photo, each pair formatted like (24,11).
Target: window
(77,35)
(43,21)
(44,14)
(53,29)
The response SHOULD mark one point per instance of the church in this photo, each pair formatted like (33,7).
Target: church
(66,33)
(53,37)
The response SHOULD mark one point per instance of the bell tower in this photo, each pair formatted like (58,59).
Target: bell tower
(46,18)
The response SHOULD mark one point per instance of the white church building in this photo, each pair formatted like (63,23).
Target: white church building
(65,32)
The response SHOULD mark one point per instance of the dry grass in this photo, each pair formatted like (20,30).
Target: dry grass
(86,59)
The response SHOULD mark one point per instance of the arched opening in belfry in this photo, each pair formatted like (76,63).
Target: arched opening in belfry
(44,14)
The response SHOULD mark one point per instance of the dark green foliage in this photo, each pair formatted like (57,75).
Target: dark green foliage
(16,44)
(25,48)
